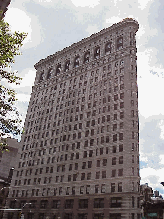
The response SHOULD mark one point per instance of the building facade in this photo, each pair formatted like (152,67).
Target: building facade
(3,7)
(7,159)
(151,202)
(80,151)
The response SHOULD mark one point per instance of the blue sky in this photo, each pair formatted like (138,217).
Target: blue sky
(54,24)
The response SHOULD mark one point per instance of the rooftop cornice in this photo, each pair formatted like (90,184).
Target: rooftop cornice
(115,26)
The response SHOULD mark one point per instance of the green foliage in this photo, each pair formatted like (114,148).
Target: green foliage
(10,44)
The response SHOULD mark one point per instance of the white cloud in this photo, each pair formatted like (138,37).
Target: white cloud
(144,4)
(46,3)
(84,3)
(112,20)
(150,84)
(92,29)
(152,176)
(23,97)
(13,16)
(28,24)
(161,126)
(161,158)
(28,78)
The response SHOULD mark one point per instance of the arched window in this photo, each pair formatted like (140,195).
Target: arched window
(67,65)
(108,48)
(116,64)
(76,61)
(58,69)
(86,57)
(97,53)
(122,62)
(49,74)
(120,43)
(41,76)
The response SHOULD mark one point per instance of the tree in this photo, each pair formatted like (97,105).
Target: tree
(10,44)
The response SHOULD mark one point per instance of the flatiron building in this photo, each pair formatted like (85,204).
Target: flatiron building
(79,157)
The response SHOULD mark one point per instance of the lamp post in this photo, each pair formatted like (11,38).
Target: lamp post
(22,208)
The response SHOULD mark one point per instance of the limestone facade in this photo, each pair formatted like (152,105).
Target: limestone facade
(80,151)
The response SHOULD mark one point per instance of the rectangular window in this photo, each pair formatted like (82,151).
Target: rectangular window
(98,163)
(101,151)
(76,166)
(81,189)
(121,160)
(114,161)
(98,175)
(116,202)
(74,177)
(121,105)
(84,165)
(43,204)
(104,162)
(121,95)
(120,187)
(69,203)
(121,115)
(90,153)
(103,188)
(91,142)
(88,176)
(103,174)
(98,203)
(56,204)
(113,173)
(114,137)
(132,201)
(114,127)
(82,176)
(112,187)
(115,97)
(96,189)
(120,136)
(120,172)
(89,164)
(83,203)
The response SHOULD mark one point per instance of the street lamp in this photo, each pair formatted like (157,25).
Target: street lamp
(22,207)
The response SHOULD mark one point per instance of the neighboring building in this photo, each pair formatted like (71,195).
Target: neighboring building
(7,164)
(152,203)
(3,7)
(4,189)
(80,151)
(8,159)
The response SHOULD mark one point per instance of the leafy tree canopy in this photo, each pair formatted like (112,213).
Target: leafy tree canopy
(10,44)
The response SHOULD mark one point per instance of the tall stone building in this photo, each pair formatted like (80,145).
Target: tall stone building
(80,151)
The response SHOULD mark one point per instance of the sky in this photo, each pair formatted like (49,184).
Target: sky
(55,24)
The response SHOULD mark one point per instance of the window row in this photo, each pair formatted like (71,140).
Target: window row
(69,215)
(86,58)
(75,177)
(115,202)
(79,126)
(82,189)
(68,147)
(72,156)
(76,94)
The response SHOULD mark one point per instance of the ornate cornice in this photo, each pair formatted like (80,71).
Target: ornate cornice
(112,28)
